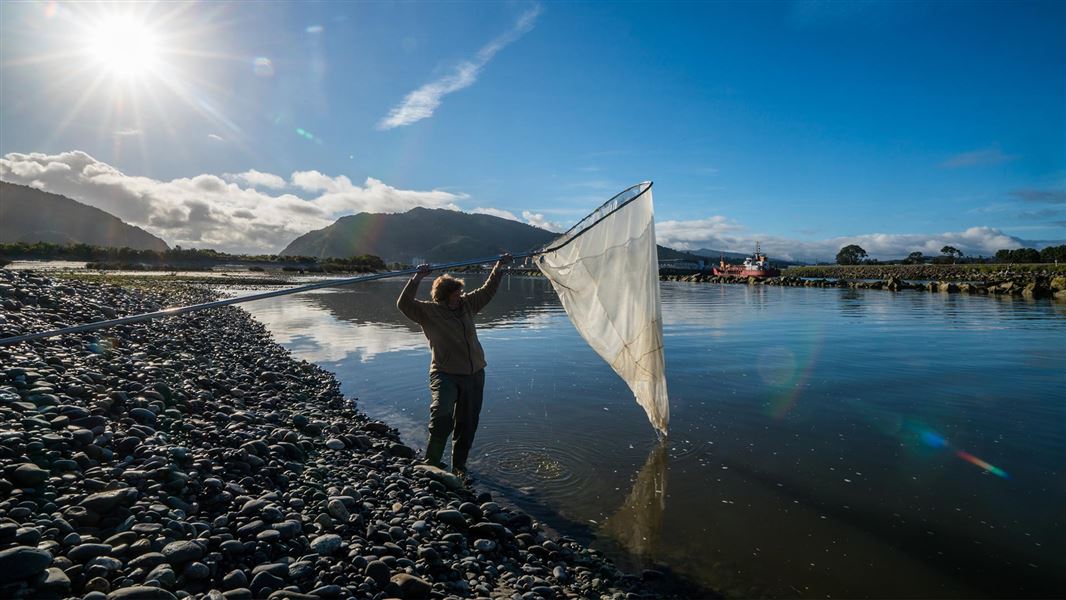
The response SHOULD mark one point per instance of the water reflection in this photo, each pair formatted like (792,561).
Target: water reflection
(517,299)
(806,416)
(320,336)
(638,523)
(332,324)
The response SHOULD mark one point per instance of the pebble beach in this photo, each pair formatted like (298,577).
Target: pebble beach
(193,457)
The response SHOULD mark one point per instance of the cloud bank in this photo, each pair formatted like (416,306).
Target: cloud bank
(227,213)
(421,103)
(539,220)
(257,212)
(496,212)
(718,233)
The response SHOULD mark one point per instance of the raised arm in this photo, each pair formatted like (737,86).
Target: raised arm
(481,296)
(407,304)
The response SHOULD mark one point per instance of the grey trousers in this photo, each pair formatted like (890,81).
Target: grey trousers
(455,410)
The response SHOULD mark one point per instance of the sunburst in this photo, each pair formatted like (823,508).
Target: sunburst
(124,47)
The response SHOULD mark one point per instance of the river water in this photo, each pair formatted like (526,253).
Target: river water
(823,442)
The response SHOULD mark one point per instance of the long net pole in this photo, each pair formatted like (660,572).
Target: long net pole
(614,204)
(180,310)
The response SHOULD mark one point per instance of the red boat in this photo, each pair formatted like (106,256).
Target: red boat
(756,265)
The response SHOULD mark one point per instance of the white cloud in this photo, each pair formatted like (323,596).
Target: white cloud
(127,132)
(991,155)
(421,103)
(216,137)
(255,178)
(209,211)
(539,220)
(313,181)
(496,212)
(719,233)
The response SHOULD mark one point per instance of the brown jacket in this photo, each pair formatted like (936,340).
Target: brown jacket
(452,338)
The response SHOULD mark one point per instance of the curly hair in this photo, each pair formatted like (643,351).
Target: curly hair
(443,287)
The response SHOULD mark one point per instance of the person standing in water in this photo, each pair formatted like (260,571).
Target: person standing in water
(457,361)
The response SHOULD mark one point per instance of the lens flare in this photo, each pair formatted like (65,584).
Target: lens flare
(786,372)
(262,67)
(935,440)
(970,458)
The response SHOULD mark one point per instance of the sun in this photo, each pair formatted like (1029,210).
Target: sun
(124,47)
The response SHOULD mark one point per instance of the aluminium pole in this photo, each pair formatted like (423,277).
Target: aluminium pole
(180,310)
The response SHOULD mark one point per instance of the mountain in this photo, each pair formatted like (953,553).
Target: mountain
(31,215)
(426,234)
(433,235)
(708,253)
(665,253)
(739,256)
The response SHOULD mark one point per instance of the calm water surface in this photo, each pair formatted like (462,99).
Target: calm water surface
(823,442)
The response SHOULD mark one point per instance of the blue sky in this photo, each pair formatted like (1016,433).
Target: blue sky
(807,125)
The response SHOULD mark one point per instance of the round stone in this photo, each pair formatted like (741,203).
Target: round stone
(141,593)
(29,475)
(22,562)
(86,552)
(197,571)
(326,544)
(378,571)
(182,552)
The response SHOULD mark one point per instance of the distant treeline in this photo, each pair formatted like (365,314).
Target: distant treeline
(1051,254)
(855,255)
(177,256)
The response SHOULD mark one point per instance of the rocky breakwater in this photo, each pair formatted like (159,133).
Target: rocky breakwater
(956,273)
(193,457)
(1024,287)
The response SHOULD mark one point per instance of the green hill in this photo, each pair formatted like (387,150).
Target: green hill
(434,235)
(31,215)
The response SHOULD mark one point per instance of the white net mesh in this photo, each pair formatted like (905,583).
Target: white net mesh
(606,273)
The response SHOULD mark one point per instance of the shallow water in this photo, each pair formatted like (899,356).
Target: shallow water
(823,443)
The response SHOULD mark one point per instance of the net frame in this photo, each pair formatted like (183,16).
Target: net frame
(616,203)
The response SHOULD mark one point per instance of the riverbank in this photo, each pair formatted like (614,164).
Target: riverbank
(956,273)
(194,457)
(1028,284)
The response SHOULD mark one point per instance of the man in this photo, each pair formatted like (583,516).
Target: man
(457,363)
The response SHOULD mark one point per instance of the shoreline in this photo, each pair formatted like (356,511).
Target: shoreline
(1027,285)
(195,457)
